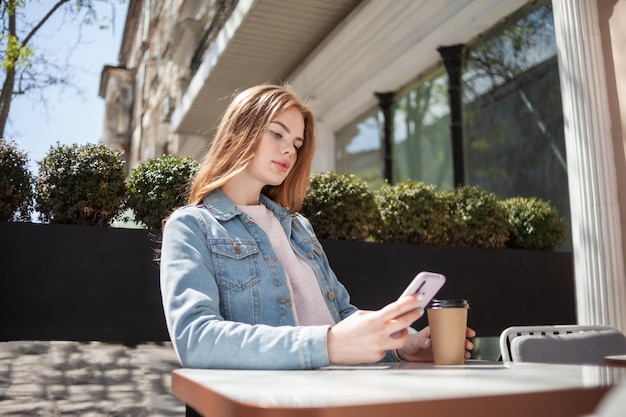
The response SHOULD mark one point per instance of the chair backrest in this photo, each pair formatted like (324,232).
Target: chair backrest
(561,344)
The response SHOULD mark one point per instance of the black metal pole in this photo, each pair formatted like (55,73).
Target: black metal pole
(453,60)
(385,101)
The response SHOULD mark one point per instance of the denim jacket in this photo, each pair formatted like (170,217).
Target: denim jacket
(225,294)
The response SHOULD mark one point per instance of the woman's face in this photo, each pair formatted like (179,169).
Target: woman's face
(276,152)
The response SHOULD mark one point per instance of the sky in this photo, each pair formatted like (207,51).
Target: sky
(69,116)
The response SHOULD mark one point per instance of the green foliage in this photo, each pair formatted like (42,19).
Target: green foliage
(535,224)
(82,185)
(12,5)
(412,212)
(159,185)
(16,183)
(340,206)
(16,53)
(478,218)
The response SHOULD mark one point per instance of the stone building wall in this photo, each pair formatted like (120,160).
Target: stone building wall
(161,39)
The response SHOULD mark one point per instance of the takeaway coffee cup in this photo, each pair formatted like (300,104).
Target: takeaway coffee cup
(448,322)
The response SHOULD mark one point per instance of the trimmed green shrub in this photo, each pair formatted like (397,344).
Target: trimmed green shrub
(16,183)
(412,212)
(341,207)
(535,224)
(80,184)
(158,186)
(478,218)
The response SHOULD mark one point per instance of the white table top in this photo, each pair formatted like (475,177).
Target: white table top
(390,383)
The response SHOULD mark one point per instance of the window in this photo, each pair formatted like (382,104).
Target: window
(422,149)
(359,148)
(514,141)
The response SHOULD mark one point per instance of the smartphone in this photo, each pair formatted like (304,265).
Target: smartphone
(425,285)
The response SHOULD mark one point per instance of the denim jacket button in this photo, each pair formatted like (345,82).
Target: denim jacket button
(331,295)
(310,255)
(284,301)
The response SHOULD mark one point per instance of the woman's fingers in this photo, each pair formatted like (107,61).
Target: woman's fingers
(398,308)
(366,335)
(401,313)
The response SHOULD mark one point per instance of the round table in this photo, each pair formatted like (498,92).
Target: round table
(615,360)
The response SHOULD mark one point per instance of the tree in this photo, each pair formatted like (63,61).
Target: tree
(25,70)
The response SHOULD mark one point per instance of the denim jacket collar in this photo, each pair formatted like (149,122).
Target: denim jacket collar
(224,209)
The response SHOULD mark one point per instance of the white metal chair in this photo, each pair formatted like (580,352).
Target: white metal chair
(561,344)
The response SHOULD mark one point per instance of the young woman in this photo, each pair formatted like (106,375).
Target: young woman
(244,280)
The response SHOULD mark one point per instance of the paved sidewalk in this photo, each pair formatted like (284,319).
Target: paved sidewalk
(87,379)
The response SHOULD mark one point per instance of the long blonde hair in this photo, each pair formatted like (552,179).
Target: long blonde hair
(235,143)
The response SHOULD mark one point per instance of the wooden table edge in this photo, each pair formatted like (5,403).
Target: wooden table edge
(554,403)
(615,360)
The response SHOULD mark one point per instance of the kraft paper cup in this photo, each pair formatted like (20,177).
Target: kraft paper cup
(448,323)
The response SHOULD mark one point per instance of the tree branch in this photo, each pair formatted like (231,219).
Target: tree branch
(43,20)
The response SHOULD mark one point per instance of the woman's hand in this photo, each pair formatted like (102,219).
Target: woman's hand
(418,348)
(365,336)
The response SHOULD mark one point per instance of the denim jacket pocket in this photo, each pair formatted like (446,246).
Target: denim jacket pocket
(235,263)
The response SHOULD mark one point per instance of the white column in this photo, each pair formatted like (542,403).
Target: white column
(324,159)
(596,231)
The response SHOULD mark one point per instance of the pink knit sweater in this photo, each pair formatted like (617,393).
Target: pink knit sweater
(308,301)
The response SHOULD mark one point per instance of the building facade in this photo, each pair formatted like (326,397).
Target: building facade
(518,97)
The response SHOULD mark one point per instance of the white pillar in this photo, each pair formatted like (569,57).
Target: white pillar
(596,231)
(324,159)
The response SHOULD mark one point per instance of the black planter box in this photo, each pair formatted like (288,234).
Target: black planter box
(67,282)
(505,287)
